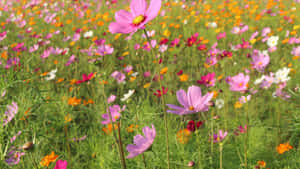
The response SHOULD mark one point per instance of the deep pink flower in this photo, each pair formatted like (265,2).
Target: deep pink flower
(60,164)
(161,92)
(3,35)
(238,83)
(141,143)
(191,126)
(221,35)
(260,60)
(85,78)
(192,101)
(208,80)
(129,22)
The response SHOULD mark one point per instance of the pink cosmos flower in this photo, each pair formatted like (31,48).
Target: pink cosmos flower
(10,113)
(192,101)
(238,83)
(212,60)
(60,164)
(141,143)
(267,81)
(129,22)
(104,50)
(70,61)
(260,60)
(220,136)
(208,80)
(296,51)
(253,36)
(265,31)
(114,112)
(119,76)
(111,99)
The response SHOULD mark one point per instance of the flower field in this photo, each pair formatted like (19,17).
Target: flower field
(155,84)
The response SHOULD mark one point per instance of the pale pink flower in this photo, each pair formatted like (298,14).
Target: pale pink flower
(129,22)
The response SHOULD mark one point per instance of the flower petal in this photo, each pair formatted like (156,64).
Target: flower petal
(138,7)
(182,98)
(124,17)
(153,10)
(120,27)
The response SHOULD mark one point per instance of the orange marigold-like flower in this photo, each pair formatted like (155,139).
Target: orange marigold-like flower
(283,148)
(183,136)
(74,101)
(48,159)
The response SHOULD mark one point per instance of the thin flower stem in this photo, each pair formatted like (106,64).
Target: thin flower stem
(163,106)
(121,144)
(143,156)
(221,155)
(212,139)
(121,153)
(246,140)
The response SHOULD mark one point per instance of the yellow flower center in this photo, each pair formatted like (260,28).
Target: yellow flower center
(136,21)
(191,108)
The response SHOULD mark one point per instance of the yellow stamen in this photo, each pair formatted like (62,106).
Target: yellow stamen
(191,108)
(138,20)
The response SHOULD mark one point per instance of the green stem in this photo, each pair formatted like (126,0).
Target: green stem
(221,155)
(143,156)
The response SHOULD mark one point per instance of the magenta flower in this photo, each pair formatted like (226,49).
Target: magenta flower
(85,78)
(3,35)
(141,143)
(220,136)
(119,76)
(221,35)
(260,60)
(129,22)
(238,83)
(114,112)
(60,164)
(10,113)
(192,101)
(208,80)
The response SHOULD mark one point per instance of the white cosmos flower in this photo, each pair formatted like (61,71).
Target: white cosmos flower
(51,75)
(282,75)
(219,103)
(127,95)
(272,41)
(88,34)
(259,80)
(212,25)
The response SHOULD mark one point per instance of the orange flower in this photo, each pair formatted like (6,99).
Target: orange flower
(131,128)
(48,159)
(261,164)
(184,77)
(283,148)
(164,70)
(74,101)
(108,129)
(183,136)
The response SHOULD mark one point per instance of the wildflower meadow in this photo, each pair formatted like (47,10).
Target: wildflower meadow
(150,84)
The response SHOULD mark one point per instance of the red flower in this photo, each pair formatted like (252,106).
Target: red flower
(159,93)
